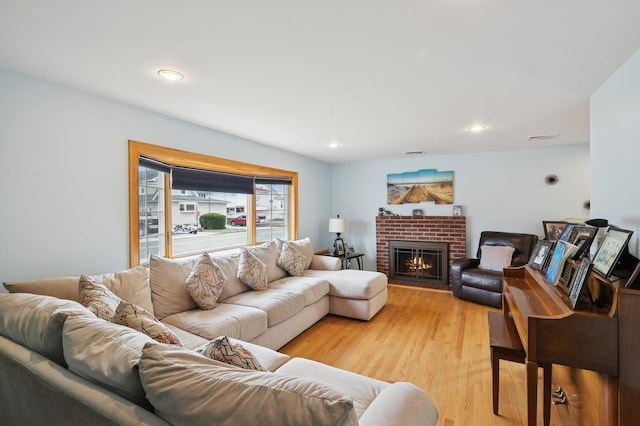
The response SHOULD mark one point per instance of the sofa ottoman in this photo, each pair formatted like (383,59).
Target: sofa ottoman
(353,293)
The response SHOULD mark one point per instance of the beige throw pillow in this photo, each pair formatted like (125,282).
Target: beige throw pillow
(291,260)
(188,389)
(96,297)
(205,283)
(135,317)
(251,270)
(495,258)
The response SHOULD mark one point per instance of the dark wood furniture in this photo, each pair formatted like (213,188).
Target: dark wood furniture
(348,257)
(505,344)
(599,337)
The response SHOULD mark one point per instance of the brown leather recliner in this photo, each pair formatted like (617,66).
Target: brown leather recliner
(482,285)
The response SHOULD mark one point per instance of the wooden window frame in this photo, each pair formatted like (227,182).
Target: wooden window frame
(199,161)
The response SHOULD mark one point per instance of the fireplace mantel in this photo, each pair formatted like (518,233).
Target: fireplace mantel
(451,229)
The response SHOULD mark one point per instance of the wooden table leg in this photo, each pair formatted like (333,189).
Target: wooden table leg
(532,392)
(546,392)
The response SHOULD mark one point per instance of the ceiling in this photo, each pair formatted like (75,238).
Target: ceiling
(377,77)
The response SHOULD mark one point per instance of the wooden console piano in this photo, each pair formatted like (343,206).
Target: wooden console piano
(598,340)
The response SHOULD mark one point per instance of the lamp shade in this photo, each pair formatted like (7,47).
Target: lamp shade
(338,225)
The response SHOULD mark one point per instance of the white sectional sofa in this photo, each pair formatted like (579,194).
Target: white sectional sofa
(61,364)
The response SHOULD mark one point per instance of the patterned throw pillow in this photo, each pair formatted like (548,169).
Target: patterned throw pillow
(291,260)
(96,297)
(205,282)
(135,317)
(252,271)
(221,349)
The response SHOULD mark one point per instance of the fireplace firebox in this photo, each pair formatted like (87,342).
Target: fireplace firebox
(421,261)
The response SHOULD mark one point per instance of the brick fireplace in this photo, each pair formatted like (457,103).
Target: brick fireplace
(448,229)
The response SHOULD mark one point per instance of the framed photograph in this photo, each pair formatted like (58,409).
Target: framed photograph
(457,210)
(541,254)
(553,230)
(339,247)
(561,252)
(610,250)
(578,283)
(417,212)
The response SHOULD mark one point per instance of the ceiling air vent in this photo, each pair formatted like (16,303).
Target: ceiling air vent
(416,152)
(539,138)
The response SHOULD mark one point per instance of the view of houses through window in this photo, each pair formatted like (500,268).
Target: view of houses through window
(177,222)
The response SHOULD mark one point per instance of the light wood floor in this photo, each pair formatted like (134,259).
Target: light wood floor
(434,340)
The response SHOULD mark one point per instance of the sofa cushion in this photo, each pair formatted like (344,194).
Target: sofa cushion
(36,322)
(221,349)
(240,322)
(495,258)
(60,287)
(105,353)
(135,317)
(228,263)
(279,305)
(313,289)
(96,297)
(131,285)
(291,260)
(251,270)
(167,278)
(304,246)
(269,253)
(364,390)
(186,388)
(205,282)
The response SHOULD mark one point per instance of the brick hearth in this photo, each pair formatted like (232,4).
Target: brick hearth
(451,229)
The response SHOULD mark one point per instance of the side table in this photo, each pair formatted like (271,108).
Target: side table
(348,257)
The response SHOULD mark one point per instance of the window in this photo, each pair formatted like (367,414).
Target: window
(189,207)
(175,188)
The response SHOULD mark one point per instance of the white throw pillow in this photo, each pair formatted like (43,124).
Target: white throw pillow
(96,297)
(205,283)
(291,260)
(135,317)
(251,270)
(221,349)
(188,389)
(495,258)
(304,246)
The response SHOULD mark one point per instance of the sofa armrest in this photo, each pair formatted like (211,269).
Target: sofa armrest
(400,403)
(325,263)
(457,266)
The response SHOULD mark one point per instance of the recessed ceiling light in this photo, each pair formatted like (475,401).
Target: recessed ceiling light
(170,75)
(477,128)
(334,145)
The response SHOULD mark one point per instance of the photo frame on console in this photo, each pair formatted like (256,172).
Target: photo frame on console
(610,250)
(339,247)
(553,230)
(541,254)
(578,283)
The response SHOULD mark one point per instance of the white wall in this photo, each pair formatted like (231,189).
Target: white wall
(64,182)
(615,149)
(499,191)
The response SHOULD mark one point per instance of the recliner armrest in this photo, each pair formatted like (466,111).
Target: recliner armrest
(457,266)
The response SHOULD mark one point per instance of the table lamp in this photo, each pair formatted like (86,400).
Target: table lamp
(338,226)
